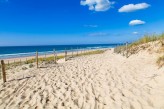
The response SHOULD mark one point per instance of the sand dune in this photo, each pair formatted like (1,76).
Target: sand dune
(102,81)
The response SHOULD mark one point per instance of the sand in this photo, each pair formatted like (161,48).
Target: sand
(69,53)
(101,81)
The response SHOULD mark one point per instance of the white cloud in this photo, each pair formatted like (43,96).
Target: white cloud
(97,5)
(136,22)
(91,26)
(98,34)
(133,7)
(135,32)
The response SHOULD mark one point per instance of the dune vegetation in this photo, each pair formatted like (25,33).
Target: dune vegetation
(160,61)
(143,44)
(139,43)
(145,39)
(148,38)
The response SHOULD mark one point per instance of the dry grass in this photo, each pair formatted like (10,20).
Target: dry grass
(92,52)
(141,44)
(160,61)
(148,38)
(161,49)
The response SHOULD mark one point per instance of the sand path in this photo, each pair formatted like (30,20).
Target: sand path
(103,81)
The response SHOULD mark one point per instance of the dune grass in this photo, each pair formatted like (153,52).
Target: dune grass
(50,58)
(145,39)
(160,61)
(139,44)
(92,52)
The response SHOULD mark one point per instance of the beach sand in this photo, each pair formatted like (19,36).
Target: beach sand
(101,81)
(26,58)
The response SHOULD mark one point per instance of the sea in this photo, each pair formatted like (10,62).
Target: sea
(23,51)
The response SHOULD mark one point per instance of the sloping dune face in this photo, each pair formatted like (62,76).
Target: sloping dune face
(102,81)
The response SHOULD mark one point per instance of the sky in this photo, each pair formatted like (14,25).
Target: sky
(58,22)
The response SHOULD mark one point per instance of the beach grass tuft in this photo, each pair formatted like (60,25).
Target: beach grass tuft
(139,44)
(160,61)
(148,38)
(92,52)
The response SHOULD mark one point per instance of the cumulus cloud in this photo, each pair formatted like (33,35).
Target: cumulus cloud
(136,22)
(133,7)
(97,5)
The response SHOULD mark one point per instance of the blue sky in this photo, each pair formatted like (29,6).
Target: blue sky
(50,22)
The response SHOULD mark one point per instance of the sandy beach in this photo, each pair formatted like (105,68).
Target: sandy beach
(81,54)
(69,53)
(101,81)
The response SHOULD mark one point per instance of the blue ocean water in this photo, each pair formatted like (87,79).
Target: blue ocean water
(17,51)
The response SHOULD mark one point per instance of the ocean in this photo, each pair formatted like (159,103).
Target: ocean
(20,51)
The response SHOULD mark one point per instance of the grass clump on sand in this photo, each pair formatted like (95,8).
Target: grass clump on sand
(120,49)
(51,58)
(92,52)
(136,46)
(148,38)
(160,61)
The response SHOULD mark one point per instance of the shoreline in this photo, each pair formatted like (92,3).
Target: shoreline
(26,58)
(13,52)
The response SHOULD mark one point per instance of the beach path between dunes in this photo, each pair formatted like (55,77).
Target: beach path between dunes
(101,81)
